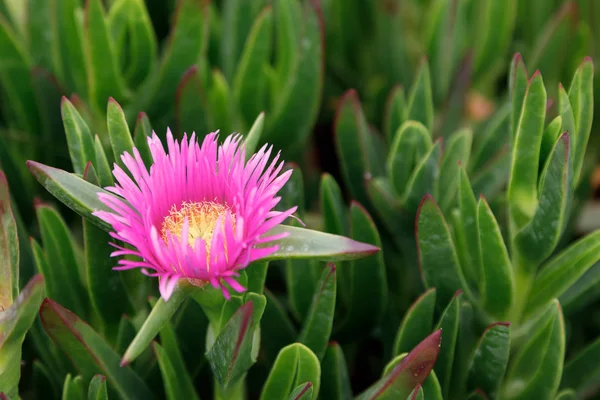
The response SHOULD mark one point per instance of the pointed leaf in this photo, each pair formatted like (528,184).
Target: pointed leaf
(191,103)
(417,323)
(253,137)
(420,100)
(105,176)
(448,324)
(497,290)
(489,142)
(488,363)
(551,134)
(276,328)
(177,381)
(395,111)
(317,325)
(142,131)
(87,350)
(73,388)
(424,179)
(97,388)
(457,152)
(79,137)
(523,184)
(335,382)
(518,87)
(120,137)
(9,248)
(142,42)
(332,206)
(302,392)
(295,364)
(567,394)
(410,372)
(437,256)
(582,370)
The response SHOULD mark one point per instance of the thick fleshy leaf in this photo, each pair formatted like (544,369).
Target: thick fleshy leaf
(97,389)
(424,179)
(319,320)
(489,142)
(539,238)
(250,83)
(551,134)
(523,184)
(562,271)
(582,370)
(9,248)
(106,289)
(581,96)
(488,364)
(186,43)
(61,270)
(120,137)
(161,314)
(536,369)
(294,365)
(567,124)
(307,243)
(417,323)
(191,103)
(333,207)
(567,394)
(518,86)
(491,180)
(412,141)
(297,97)
(449,326)
(178,384)
(257,275)
(15,321)
(141,133)
(457,152)
(73,388)
(355,147)
(395,112)
(302,392)
(102,62)
(229,363)
(103,170)
(253,137)
(89,353)
(276,328)
(438,261)
(77,194)
(335,382)
(583,292)
(368,280)
(410,372)
(420,99)
(79,137)
(497,290)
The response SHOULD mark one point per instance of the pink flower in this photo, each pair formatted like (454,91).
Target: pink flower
(199,213)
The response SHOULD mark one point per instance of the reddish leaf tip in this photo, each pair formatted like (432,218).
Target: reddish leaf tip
(535,75)
(101,377)
(458,293)
(114,103)
(481,393)
(124,362)
(306,387)
(3,396)
(39,203)
(86,170)
(141,115)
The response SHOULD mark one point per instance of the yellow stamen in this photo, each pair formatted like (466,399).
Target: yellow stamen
(202,218)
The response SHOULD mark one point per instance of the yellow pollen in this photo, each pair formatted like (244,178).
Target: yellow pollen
(202,218)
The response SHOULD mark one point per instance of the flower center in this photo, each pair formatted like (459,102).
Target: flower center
(202,217)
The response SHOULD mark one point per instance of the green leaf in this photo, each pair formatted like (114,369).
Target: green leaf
(309,244)
(335,382)
(302,392)
(582,370)
(220,103)
(355,148)
(488,363)
(106,288)
(250,83)
(333,207)
(15,321)
(539,238)
(318,323)
(498,287)
(253,137)
(420,99)
(567,394)
(437,256)
(161,313)
(536,369)
(288,31)
(562,271)
(518,83)
(89,353)
(105,176)
(104,77)
(431,387)
(9,248)
(523,184)
(296,101)
(492,140)
(417,323)
(276,328)
(551,135)
(142,43)
(191,104)
(395,111)
(410,372)
(17,85)
(257,275)
(97,388)
(581,96)
(178,384)
(68,59)
(424,180)
(73,389)
(411,143)
(294,365)
(187,43)
(62,271)
(229,363)
(448,324)
(77,194)
(79,137)
(567,119)
(583,292)
(457,152)
(141,133)
(368,280)
(491,180)
(120,137)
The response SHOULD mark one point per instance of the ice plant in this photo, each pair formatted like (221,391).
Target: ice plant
(199,214)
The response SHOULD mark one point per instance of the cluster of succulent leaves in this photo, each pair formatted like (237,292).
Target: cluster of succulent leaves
(487,296)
